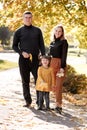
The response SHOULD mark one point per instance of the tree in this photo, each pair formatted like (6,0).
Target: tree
(47,14)
(4,35)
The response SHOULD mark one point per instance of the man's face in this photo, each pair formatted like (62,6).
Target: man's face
(27,18)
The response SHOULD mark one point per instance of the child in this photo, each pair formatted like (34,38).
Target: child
(45,81)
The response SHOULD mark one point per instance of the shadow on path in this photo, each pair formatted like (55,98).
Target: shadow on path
(13,116)
(65,119)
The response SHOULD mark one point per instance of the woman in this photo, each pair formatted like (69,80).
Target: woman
(58,51)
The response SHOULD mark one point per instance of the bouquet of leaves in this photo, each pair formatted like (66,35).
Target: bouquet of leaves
(60,73)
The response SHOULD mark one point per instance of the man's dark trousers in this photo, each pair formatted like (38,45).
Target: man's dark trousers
(26,66)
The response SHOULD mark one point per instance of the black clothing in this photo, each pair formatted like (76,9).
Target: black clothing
(58,49)
(28,39)
(26,66)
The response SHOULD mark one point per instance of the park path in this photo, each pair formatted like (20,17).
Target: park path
(13,116)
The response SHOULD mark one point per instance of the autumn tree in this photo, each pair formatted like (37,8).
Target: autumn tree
(72,14)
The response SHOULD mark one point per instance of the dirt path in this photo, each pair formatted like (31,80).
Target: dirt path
(13,116)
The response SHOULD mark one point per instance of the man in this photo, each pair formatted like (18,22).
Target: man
(28,42)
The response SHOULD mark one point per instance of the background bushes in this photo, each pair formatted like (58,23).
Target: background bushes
(75,83)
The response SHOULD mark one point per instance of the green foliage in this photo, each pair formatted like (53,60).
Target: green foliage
(75,83)
(4,65)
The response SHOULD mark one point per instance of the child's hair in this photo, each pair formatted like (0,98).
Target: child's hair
(46,57)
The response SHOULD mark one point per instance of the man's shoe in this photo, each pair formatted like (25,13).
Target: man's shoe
(27,105)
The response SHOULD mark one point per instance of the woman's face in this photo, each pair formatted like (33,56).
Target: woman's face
(58,32)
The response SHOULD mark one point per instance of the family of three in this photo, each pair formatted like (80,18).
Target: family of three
(49,76)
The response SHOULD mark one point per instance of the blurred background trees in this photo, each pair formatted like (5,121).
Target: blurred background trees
(5,35)
(72,14)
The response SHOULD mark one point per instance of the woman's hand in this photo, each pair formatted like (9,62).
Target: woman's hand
(61,70)
(60,73)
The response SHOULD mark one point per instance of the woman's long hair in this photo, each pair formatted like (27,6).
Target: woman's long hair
(53,33)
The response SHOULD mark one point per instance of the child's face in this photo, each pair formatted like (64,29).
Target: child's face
(45,62)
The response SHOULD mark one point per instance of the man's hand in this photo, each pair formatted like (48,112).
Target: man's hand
(25,54)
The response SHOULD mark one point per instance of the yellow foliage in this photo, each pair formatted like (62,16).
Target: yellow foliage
(78,99)
(3,101)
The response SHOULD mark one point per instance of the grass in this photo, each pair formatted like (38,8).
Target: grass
(4,65)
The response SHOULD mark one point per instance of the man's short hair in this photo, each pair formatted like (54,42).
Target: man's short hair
(27,12)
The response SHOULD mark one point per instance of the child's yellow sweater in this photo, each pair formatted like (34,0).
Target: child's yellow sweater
(45,79)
